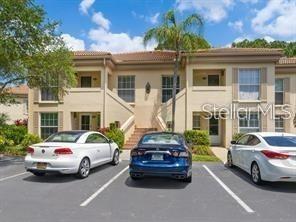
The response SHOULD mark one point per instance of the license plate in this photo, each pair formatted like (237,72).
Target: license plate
(157,157)
(41,166)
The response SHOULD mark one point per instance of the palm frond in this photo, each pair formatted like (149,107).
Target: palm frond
(194,21)
(169,18)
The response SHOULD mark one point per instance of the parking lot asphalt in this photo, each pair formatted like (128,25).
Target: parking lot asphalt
(216,194)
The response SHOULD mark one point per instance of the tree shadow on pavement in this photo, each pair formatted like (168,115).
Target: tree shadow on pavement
(156,183)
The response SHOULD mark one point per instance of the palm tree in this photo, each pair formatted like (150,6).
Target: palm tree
(177,36)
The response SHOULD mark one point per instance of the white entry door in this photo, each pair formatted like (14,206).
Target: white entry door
(214,131)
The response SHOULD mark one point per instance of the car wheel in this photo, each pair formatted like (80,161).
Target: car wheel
(188,179)
(115,160)
(84,168)
(255,174)
(229,160)
(39,174)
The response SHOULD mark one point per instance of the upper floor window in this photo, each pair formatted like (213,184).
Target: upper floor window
(167,87)
(249,84)
(85,81)
(279,91)
(196,121)
(48,124)
(213,80)
(249,122)
(49,94)
(126,88)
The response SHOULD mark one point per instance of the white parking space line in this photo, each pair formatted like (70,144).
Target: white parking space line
(13,176)
(92,197)
(230,192)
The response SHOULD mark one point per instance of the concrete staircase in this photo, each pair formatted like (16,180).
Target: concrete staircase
(135,137)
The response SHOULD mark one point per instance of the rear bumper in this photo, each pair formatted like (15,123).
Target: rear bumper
(60,165)
(163,170)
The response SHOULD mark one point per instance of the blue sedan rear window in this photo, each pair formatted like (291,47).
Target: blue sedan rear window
(166,138)
(284,141)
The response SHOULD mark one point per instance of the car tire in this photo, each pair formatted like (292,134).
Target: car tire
(84,168)
(115,160)
(188,179)
(39,174)
(255,174)
(229,160)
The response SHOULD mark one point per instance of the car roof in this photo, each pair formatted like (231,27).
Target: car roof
(153,133)
(264,134)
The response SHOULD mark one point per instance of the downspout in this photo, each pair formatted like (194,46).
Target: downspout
(187,88)
(105,93)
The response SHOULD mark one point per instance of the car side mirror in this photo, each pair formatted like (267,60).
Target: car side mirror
(233,142)
(110,141)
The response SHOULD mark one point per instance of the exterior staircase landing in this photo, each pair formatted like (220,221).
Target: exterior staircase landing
(136,136)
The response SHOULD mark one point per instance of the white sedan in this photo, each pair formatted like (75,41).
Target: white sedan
(71,152)
(265,156)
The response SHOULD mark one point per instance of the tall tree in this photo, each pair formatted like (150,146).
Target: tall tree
(31,50)
(178,36)
(288,47)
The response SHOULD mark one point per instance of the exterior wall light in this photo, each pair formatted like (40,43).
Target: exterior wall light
(147,88)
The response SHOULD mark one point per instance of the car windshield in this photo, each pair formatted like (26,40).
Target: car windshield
(284,141)
(165,138)
(64,137)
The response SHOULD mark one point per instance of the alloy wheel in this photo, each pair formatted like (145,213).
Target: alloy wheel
(84,167)
(255,173)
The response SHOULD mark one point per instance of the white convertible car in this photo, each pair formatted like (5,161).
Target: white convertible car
(71,152)
(265,156)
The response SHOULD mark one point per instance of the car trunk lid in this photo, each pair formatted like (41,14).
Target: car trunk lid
(47,150)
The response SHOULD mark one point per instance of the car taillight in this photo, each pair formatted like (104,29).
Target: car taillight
(30,150)
(137,152)
(184,154)
(63,151)
(275,155)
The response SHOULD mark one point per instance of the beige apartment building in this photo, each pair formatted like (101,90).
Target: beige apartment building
(135,90)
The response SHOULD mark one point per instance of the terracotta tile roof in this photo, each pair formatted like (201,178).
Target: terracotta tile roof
(145,56)
(287,61)
(19,90)
(239,51)
(90,53)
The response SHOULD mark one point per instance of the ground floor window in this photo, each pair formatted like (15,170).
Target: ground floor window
(279,124)
(48,124)
(249,122)
(196,121)
(85,122)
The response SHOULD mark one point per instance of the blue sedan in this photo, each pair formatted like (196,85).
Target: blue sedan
(161,154)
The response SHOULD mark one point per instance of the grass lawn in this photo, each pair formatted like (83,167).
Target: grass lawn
(205,158)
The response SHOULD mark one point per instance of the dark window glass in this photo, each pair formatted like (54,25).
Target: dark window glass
(282,141)
(85,81)
(85,122)
(49,94)
(214,126)
(244,140)
(213,80)
(253,141)
(167,87)
(96,138)
(66,137)
(48,124)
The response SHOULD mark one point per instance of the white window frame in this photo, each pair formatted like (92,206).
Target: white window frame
(281,128)
(131,89)
(283,91)
(250,128)
(244,84)
(196,115)
(169,88)
(51,126)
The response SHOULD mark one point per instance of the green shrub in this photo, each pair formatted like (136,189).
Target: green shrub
(202,150)
(13,132)
(5,143)
(30,139)
(117,136)
(197,137)
(236,136)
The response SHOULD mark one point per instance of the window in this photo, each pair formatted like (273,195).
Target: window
(167,87)
(283,141)
(279,124)
(48,124)
(85,122)
(162,138)
(65,137)
(196,121)
(213,80)
(249,84)
(49,94)
(244,140)
(253,141)
(214,126)
(126,88)
(96,138)
(249,122)
(85,81)
(279,91)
